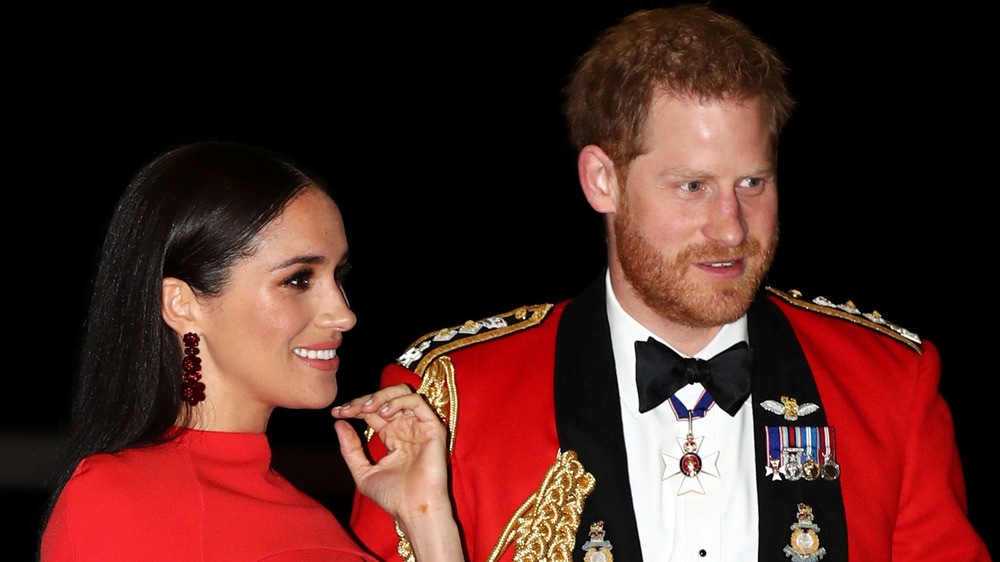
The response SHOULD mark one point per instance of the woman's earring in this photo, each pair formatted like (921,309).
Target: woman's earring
(193,390)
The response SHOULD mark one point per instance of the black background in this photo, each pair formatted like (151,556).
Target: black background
(441,133)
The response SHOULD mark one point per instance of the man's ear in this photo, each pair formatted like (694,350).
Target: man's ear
(180,308)
(598,179)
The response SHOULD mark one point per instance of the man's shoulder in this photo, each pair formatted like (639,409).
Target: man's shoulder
(509,327)
(823,314)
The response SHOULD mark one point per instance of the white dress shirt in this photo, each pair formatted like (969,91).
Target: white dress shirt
(719,525)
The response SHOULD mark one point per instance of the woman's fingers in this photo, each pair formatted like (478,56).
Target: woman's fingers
(408,404)
(351,449)
(370,402)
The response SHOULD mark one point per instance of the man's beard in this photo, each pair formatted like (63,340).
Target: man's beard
(665,286)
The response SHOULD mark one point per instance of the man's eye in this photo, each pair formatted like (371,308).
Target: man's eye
(691,186)
(751,182)
(300,279)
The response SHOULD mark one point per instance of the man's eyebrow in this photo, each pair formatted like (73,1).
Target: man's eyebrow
(680,172)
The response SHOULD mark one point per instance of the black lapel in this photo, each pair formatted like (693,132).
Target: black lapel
(781,369)
(588,420)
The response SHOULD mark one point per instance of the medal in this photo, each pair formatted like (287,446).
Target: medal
(804,543)
(791,453)
(801,453)
(598,549)
(810,468)
(830,470)
(793,468)
(690,464)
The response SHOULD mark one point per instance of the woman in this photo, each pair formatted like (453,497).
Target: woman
(219,297)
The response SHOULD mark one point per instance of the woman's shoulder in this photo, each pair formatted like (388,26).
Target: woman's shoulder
(131,466)
(115,499)
(125,483)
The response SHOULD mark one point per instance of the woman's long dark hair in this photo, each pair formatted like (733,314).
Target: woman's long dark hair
(189,214)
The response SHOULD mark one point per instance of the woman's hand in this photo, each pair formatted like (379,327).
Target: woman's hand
(411,481)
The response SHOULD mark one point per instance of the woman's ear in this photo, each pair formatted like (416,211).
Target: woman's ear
(180,308)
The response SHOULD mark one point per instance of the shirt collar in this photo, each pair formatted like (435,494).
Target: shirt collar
(625,331)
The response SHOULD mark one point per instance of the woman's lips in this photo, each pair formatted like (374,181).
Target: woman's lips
(321,356)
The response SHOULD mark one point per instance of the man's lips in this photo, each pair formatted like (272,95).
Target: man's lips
(729,266)
(720,262)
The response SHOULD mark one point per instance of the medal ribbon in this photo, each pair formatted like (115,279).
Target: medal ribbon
(800,443)
(700,409)
(787,440)
(773,442)
(812,443)
(830,451)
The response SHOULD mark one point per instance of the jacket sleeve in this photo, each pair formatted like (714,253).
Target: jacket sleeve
(373,527)
(932,522)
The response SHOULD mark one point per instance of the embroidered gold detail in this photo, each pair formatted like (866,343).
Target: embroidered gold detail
(544,528)
(438,387)
(849,312)
(404,549)
(521,313)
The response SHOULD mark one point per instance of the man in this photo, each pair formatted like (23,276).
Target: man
(584,430)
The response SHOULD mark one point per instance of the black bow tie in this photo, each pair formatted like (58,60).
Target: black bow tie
(660,372)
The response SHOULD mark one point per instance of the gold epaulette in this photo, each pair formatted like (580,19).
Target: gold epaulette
(425,349)
(427,356)
(847,311)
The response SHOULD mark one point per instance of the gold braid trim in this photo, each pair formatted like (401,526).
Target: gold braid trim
(544,528)
(438,387)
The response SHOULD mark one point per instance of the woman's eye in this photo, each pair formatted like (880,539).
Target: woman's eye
(299,279)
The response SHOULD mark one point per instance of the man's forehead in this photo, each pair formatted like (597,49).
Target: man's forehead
(666,101)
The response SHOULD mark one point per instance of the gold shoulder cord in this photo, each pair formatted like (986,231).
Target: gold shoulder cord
(544,527)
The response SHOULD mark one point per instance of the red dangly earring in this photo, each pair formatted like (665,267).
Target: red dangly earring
(193,390)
